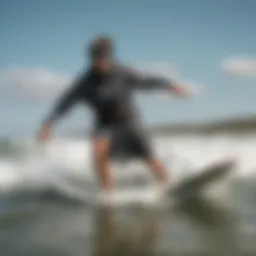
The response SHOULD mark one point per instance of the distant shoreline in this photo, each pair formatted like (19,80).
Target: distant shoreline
(230,126)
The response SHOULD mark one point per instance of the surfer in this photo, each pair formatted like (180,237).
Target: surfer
(107,87)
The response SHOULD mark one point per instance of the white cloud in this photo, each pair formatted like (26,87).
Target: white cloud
(239,67)
(31,83)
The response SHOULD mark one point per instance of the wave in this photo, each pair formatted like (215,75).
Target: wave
(45,168)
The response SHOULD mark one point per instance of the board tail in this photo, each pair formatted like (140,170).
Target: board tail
(205,177)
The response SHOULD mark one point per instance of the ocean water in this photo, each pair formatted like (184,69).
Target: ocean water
(40,216)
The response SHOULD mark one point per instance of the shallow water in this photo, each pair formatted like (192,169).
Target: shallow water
(45,221)
(50,225)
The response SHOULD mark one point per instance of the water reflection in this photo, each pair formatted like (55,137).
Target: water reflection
(140,233)
(197,227)
(135,234)
(218,225)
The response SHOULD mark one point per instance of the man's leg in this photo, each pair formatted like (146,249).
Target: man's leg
(159,170)
(142,144)
(101,152)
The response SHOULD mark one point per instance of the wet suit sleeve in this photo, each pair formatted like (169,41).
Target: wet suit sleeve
(66,101)
(147,81)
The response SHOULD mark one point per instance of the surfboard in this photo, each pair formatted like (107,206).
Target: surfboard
(207,176)
(153,196)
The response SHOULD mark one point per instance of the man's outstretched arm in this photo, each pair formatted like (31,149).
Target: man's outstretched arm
(148,81)
(64,104)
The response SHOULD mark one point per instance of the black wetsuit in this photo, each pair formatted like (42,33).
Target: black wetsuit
(110,96)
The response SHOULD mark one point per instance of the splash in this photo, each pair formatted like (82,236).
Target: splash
(69,160)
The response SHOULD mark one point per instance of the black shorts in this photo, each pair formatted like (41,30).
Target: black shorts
(127,140)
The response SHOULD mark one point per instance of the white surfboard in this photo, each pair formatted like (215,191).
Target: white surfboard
(118,198)
(152,196)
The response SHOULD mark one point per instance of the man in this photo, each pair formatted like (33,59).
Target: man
(107,87)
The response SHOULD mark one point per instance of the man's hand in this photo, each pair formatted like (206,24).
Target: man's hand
(182,91)
(44,133)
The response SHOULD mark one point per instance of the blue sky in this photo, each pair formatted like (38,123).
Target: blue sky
(195,37)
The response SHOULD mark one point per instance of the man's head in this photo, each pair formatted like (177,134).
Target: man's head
(101,51)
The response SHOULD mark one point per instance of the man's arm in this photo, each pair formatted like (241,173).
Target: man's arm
(64,104)
(148,82)
(66,101)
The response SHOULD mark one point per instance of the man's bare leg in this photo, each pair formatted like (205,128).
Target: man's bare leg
(159,171)
(101,149)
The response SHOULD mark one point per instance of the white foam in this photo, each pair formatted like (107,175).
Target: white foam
(183,156)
